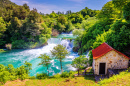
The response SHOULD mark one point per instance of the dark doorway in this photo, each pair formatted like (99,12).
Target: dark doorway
(102,68)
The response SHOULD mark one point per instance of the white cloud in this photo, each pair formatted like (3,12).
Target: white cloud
(43,7)
(25,2)
(19,2)
(46,8)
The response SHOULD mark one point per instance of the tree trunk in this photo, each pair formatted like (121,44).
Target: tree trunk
(78,71)
(48,70)
(61,66)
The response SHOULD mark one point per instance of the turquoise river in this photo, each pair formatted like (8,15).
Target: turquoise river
(17,57)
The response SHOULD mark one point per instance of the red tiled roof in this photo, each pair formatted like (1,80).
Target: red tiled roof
(103,49)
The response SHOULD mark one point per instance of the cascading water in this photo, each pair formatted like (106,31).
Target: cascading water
(17,57)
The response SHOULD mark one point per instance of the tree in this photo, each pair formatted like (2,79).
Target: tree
(126,12)
(45,61)
(108,11)
(80,62)
(2,26)
(59,52)
(28,66)
(62,19)
(119,3)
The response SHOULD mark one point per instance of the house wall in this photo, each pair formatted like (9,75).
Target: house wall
(113,60)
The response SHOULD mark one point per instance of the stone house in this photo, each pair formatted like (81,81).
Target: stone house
(105,57)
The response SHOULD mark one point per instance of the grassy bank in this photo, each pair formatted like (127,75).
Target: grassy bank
(123,79)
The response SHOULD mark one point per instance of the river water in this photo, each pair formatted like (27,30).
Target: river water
(17,57)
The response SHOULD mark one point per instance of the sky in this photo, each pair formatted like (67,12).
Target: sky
(47,6)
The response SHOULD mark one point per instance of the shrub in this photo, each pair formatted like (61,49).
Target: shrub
(56,76)
(23,76)
(64,75)
(71,74)
(4,76)
(32,77)
(41,76)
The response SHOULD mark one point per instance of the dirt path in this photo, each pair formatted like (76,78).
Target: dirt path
(16,83)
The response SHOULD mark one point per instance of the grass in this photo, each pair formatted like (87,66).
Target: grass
(123,79)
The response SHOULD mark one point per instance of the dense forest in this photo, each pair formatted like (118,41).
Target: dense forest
(111,25)
(25,28)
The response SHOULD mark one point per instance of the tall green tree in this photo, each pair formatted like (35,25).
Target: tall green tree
(80,62)
(28,66)
(108,11)
(45,61)
(119,4)
(59,52)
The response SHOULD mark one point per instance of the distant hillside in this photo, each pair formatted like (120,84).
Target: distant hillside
(6,2)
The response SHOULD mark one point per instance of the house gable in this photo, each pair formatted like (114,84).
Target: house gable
(102,50)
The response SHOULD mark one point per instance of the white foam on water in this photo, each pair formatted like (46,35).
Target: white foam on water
(31,55)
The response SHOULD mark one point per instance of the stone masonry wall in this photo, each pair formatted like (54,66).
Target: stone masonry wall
(113,60)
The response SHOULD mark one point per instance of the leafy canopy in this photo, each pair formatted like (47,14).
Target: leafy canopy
(80,62)
(59,52)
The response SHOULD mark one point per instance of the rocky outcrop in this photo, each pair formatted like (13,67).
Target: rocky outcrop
(75,49)
(55,32)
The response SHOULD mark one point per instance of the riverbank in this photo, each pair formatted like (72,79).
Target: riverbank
(2,50)
(122,79)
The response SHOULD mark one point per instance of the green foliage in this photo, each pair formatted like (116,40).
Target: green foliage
(62,19)
(78,32)
(69,26)
(4,76)
(126,12)
(24,27)
(1,50)
(9,73)
(119,4)
(75,18)
(64,74)
(88,12)
(41,76)
(28,66)
(59,52)
(116,78)
(80,62)
(90,58)
(45,61)
(108,11)
(2,26)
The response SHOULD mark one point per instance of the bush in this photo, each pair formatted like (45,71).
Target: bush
(4,76)
(41,76)
(64,75)
(32,77)
(56,76)
(71,74)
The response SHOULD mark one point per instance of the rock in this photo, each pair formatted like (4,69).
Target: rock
(55,32)
(75,49)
